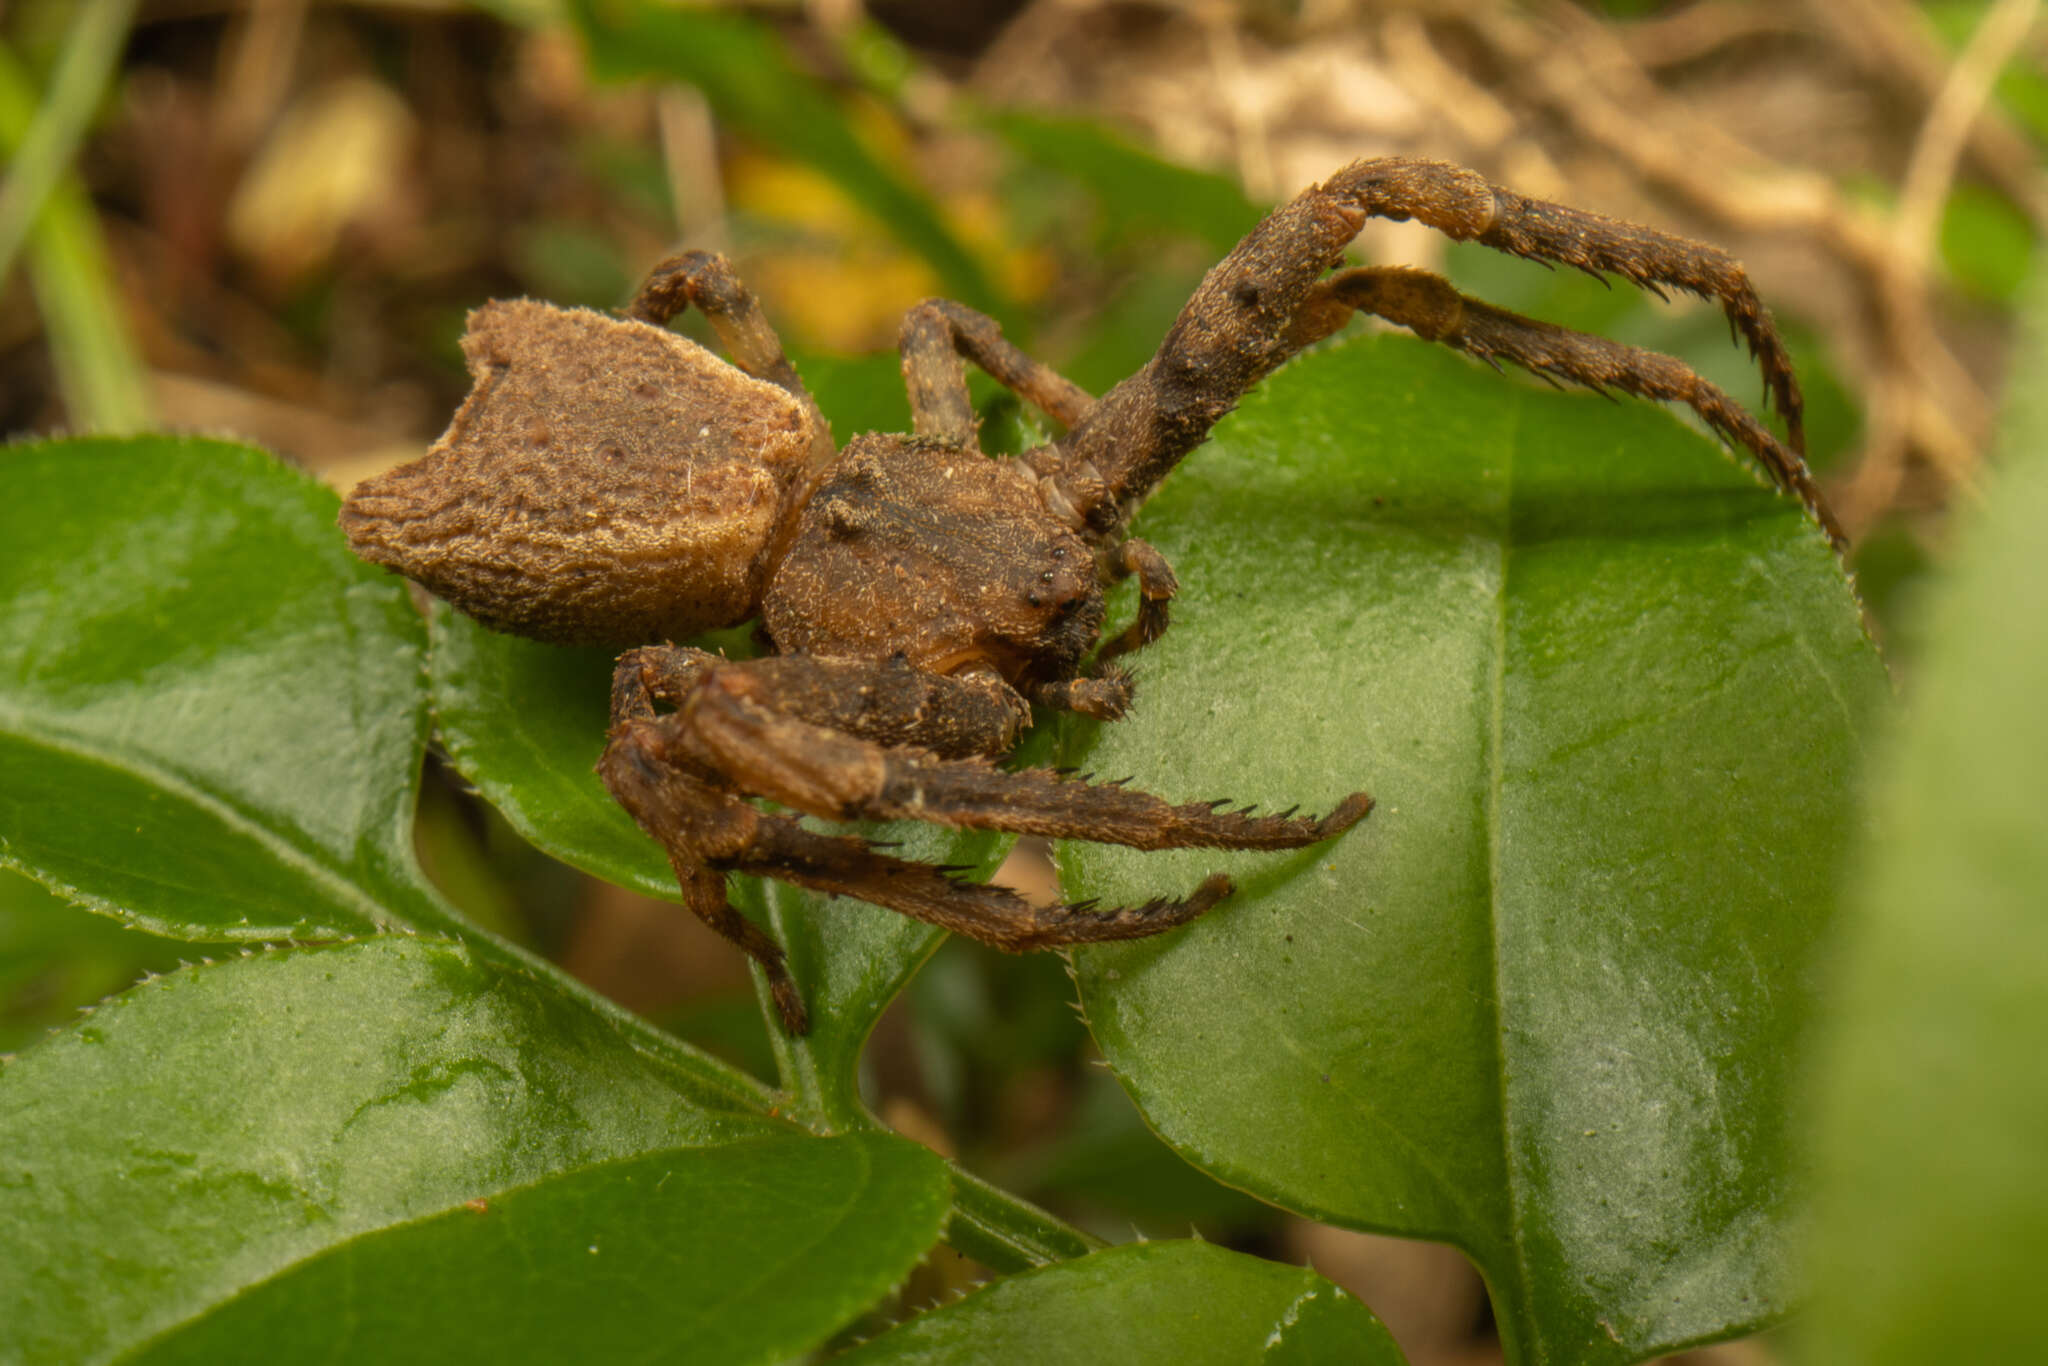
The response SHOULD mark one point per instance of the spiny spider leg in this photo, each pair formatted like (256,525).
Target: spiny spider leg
(1104,694)
(707,280)
(937,335)
(707,832)
(1462,205)
(1434,310)
(1241,322)
(761,750)
(996,916)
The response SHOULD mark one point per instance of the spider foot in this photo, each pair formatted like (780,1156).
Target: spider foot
(1081,922)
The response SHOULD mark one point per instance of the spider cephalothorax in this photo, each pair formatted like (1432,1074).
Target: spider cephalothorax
(610,481)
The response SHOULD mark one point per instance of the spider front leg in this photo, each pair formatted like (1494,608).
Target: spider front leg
(937,335)
(1432,308)
(1248,316)
(701,829)
(736,731)
(708,833)
(754,746)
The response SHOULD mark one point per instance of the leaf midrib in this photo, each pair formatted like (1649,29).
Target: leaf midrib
(1495,743)
(303,855)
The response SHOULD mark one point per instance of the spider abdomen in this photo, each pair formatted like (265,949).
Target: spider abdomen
(607,481)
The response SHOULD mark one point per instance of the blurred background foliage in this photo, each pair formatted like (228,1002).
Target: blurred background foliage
(267,219)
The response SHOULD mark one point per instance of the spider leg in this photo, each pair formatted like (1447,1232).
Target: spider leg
(846,865)
(804,732)
(937,335)
(1244,318)
(707,280)
(762,750)
(708,832)
(655,673)
(1104,694)
(1462,205)
(1156,588)
(890,702)
(1434,310)
(699,828)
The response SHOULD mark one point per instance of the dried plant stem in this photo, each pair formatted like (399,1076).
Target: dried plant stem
(1930,173)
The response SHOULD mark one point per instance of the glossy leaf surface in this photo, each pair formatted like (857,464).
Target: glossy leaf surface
(1935,1216)
(1174,1303)
(195,669)
(1610,693)
(752,1252)
(222,1125)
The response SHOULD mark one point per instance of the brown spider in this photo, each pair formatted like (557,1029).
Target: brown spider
(610,481)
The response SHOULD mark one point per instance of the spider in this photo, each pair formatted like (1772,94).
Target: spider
(610,481)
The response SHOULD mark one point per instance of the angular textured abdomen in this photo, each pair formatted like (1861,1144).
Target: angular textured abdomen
(607,481)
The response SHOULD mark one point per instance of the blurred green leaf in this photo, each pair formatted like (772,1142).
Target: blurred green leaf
(750,1252)
(1934,1215)
(1986,243)
(1142,196)
(265,1158)
(42,147)
(1175,1304)
(742,68)
(1610,691)
(98,371)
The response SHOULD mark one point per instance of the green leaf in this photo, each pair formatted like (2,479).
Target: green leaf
(1987,243)
(525,722)
(1183,1303)
(1142,196)
(53,961)
(210,712)
(212,1131)
(754,1252)
(742,68)
(1610,692)
(1934,1216)
(98,371)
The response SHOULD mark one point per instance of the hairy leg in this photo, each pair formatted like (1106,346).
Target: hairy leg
(1241,322)
(699,828)
(707,280)
(1156,588)
(708,832)
(756,747)
(996,916)
(890,702)
(1434,310)
(937,335)
(1104,694)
